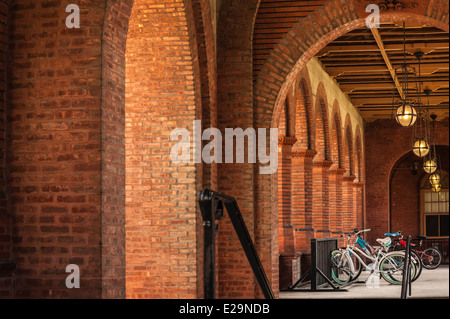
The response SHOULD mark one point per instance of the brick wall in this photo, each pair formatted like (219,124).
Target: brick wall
(386,143)
(161,209)
(6,279)
(54,149)
(405,193)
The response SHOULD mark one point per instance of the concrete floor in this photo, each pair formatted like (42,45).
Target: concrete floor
(432,284)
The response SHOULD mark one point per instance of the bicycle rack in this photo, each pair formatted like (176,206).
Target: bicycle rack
(211,205)
(320,258)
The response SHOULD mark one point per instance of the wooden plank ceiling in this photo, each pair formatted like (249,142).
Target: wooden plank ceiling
(363,62)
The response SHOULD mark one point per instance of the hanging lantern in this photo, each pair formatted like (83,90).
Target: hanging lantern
(406,115)
(435,179)
(430,166)
(403,108)
(436,188)
(421,147)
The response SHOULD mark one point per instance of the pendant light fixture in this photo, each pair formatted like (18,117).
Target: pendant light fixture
(405,114)
(430,166)
(435,179)
(421,146)
(436,188)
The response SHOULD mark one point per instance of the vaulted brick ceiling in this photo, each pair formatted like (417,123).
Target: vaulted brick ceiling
(363,61)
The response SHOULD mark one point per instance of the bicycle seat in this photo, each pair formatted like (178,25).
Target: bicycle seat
(392,234)
(422,237)
(385,241)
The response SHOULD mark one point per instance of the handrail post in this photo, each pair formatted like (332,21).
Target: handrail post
(406,283)
(212,207)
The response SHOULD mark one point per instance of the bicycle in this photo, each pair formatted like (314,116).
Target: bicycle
(430,258)
(389,265)
(414,256)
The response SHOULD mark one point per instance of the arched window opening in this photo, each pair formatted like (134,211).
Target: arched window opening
(435,208)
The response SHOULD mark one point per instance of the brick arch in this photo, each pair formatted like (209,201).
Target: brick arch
(329,22)
(337,152)
(348,146)
(304,124)
(134,62)
(283,126)
(291,104)
(404,190)
(242,181)
(321,132)
(359,155)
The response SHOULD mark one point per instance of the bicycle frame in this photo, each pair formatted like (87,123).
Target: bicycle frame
(375,255)
(352,249)
(357,252)
(366,247)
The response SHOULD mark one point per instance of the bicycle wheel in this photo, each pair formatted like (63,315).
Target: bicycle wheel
(357,267)
(431,258)
(418,264)
(391,268)
(341,266)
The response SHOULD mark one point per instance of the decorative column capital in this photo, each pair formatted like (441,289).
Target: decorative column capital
(286,141)
(349,178)
(359,184)
(323,163)
(337,171)
(304,154)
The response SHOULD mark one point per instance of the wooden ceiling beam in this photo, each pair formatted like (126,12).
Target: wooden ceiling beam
(351,88)
(427,69)
(386,59)
(358,102)
(411,48)
(435,57)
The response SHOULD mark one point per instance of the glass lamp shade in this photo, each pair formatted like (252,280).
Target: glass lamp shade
(436,188)
(435,179)
(406,115)
(421,148)
(430,166)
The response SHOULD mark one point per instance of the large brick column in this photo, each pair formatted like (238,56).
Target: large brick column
(358,199)
(336,201)
(289,262)
(302,197)
(6,264)
(348,215)
(286,231)
(321,213)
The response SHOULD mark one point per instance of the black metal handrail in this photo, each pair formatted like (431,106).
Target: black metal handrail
(211,205)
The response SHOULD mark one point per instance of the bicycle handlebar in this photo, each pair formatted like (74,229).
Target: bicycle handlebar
(357,232)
